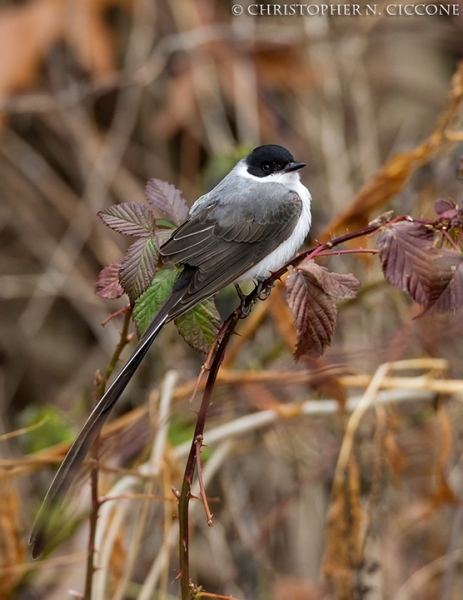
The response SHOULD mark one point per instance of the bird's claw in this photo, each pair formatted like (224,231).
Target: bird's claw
(263,292)
(244,310)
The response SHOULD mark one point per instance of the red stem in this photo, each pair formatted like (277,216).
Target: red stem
(187,589)
(202,491)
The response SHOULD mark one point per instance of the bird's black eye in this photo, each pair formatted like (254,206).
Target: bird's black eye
(266,167)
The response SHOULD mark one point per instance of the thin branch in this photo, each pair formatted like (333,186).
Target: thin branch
(121,311)
(349,251)
(312,252)
(202,491)
(185,493)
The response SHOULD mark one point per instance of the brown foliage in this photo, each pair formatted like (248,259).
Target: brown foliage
(101,115)
(39,25)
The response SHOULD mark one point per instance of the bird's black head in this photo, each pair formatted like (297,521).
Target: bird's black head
(270,159)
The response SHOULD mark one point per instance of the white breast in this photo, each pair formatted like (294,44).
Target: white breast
(289,247)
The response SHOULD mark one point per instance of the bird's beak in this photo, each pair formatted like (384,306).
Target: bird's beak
(294,166)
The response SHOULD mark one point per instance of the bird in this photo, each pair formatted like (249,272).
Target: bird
(248,226)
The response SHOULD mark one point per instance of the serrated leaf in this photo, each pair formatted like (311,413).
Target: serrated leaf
(129,218)
(200,325)
(432,276)
(314,313)
(167,199)
(336,285)
(147,305)
(138,267)
(107,285)
(407,253)
(450,271)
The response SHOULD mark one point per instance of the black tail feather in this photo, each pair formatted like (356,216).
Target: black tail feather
(81,445)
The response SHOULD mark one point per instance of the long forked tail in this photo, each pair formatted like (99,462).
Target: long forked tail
(81,445)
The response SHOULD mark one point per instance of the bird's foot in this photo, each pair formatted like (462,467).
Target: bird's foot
(244,307)
(241,296)
(263,292)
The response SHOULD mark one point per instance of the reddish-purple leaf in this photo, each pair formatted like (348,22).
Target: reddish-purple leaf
(107,285)
(167,199)
(432,276)
(138,267)
(314,313)
(449,266)
(407,252)
(446,209)
(129,218)
(336,285)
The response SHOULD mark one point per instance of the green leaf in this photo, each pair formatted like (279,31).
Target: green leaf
(165,223)
(200,325)
(147,305)
(138,267)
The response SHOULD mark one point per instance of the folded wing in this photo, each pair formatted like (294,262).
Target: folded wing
(224,240)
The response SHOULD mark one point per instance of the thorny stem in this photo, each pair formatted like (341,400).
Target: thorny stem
(96,503)
(188,590)
(121,311)
(202,490)
(350,251)
(313,252)
(208,360)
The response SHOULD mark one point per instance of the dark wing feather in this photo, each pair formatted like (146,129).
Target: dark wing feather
(226,239)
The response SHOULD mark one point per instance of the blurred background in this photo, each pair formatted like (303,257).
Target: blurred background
(98,96)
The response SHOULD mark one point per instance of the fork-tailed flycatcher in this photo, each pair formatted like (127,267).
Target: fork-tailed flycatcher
(248,226)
